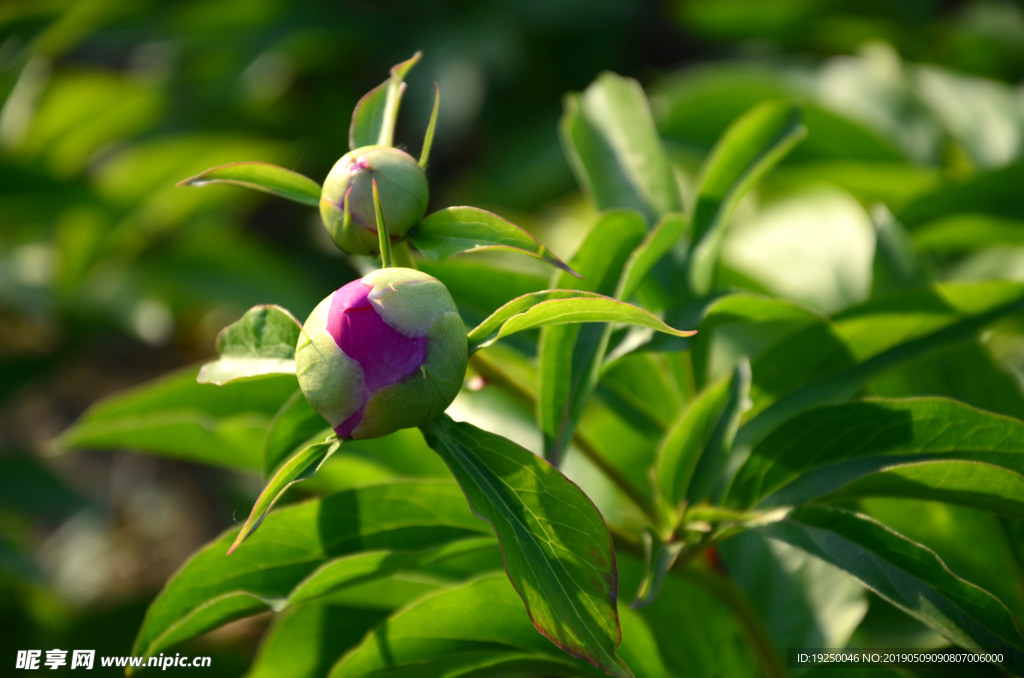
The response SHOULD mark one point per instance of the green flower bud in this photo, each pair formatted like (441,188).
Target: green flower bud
(382,353)
(402,185)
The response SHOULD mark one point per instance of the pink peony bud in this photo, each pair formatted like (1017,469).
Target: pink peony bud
(382,353)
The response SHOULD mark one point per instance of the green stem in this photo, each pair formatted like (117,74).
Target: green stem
(382,229)
(495,375)
(718,514)
(401,255)
(642,501)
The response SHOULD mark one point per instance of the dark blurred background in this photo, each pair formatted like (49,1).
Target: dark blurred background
(111,275)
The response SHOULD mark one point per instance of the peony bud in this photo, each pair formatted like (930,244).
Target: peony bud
(402,185)
(382,353)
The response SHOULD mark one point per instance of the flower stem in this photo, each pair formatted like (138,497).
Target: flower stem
(401,255)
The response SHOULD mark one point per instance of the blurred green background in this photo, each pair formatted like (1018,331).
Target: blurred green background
(111,275)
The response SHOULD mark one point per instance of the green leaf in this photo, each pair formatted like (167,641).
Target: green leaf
(801,600)
(668,232)
(825,363)
(465,663)
(571,355)
(260,344)
(736,325)
(715,457)
(261,176)
(989,487)
(356,568)
(700,438)
(301,465)
(994,194)
(990,562)
(212,588)
(479,287)
(614,149)
(293,425)
(490,625)
(968,232)
(784,250)
(374,117)
(562,307)
(908,575)
(692,623)
(968,372)
(557,550)
(469,229)
(305,641)
(176,417)
(896,264)
(696,106)
(660,557)
(643,389)
(893,183)
(825,449)
(749,148)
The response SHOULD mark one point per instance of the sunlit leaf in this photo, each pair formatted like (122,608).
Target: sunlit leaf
(735,325)
(667,233)
(561,307)
(478,287)
(260,344)
(469,229)
(353,569)
(293,425)
(557,550)
(261,176)
(301,465)
(305,641)
(614,149)
(786,250)
(700,438)
(749,148)
(571,355)
(491,628)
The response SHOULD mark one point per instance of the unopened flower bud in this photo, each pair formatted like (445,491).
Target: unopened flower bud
(402,185)
(382,353)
